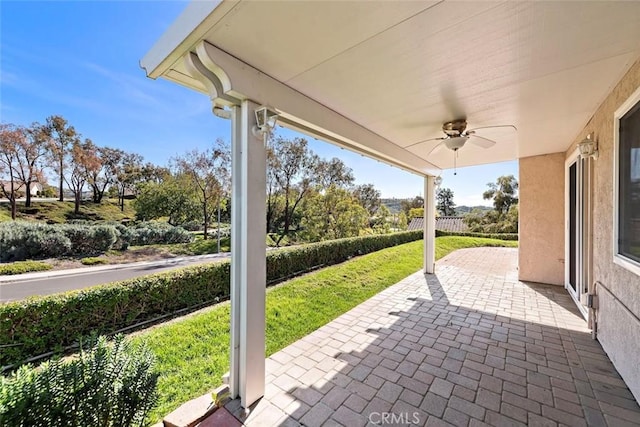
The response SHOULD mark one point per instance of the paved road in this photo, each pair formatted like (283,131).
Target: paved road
(54,282)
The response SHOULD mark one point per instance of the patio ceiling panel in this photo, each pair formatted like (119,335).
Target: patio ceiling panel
(404,83)
(331,29)
(401,69)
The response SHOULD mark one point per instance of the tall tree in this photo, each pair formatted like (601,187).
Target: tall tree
(174,197)
(83,158)
(153,173)
(492,221)
(334,172)
(445,204)
(62,137)
(368,197)
(105,174)
(292,169)
(30,152)
(128,173)
(402,222)
(10,137)
(416,213)
(503,193)
(333,214)
(408,204)
(210,174)
(379,223)
(274,201)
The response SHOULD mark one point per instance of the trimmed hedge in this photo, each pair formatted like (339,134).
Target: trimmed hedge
(20,267)
(42,324)
(293,260)
(499,236)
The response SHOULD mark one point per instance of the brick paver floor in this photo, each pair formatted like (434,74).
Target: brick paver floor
(469,346)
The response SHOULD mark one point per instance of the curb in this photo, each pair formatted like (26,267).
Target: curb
(87,270)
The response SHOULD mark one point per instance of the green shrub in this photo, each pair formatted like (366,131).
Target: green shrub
(499,236)
(109,384)
(124,237)
(192,225)
(23,240)
(20,267)
(154,233)
(89,239)
(41,324)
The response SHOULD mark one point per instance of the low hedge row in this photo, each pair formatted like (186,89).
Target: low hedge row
(293,260)
(42,324)
(499,236)
(20,267)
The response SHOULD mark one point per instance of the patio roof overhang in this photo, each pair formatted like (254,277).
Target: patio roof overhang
(380,77)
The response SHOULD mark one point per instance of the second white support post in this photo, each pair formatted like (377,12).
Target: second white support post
(248,258)
(429,225)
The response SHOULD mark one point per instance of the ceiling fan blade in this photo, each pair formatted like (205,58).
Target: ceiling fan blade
(481,141)
(422,142)
(438,147)
(491,127)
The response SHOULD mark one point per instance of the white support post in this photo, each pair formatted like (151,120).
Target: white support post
(236,244)
(429,225)
(248,260)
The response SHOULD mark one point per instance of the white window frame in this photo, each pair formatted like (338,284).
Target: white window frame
(618,258)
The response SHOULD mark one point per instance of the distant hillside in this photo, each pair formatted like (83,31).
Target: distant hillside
(463,210)
(394,206)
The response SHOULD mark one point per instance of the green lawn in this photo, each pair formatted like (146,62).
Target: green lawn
(193,352)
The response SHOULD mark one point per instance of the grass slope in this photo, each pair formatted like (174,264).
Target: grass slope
(60,212)
(193,352)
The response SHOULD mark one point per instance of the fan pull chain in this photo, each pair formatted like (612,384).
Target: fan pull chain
(455,156)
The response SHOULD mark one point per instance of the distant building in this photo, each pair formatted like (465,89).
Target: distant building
(444,223)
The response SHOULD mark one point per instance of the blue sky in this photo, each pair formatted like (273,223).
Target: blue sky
(80,60)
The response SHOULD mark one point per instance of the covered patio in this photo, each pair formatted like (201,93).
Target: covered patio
(470,345)
(546,83)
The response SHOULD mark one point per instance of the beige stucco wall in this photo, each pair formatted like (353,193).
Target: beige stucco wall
(541,192)
(617,330)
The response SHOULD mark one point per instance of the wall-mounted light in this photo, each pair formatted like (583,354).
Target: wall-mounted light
(220,111)
(266,119)
(588,147)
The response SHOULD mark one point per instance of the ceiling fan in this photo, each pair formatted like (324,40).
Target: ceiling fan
(457,135)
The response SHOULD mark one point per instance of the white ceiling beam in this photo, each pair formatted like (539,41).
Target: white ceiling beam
(241,81)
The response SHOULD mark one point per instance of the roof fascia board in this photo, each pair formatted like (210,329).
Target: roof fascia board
(183,34)
(298,111)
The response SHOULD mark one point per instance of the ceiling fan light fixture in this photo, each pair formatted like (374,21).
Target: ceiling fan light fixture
(455,142)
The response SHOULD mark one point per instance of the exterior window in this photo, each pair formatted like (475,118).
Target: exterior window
(629,185)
